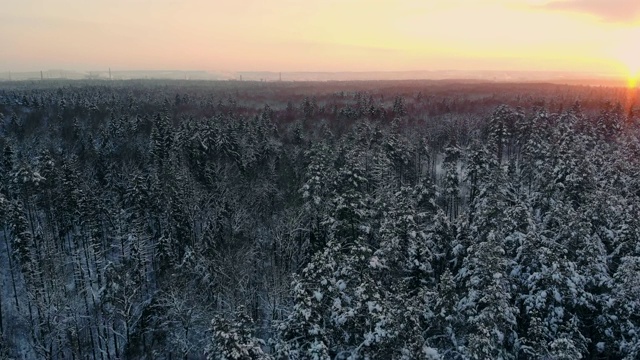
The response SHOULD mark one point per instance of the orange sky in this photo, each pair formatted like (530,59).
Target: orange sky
(320,35)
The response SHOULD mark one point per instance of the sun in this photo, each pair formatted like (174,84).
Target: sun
(634,74)
(632,82)
(629,57)
(631,63)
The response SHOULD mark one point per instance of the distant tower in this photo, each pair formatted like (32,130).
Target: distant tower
(280,78)
(110,78)
(240,77)
(41,76)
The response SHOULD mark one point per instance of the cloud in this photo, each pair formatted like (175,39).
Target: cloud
(620,11)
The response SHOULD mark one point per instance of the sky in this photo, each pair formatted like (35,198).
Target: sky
(601,36)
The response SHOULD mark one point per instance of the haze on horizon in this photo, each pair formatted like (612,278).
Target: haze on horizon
(329,35)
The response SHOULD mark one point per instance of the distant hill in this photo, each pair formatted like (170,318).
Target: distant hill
(574,78)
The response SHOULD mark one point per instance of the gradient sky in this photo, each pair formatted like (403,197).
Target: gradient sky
(320,35)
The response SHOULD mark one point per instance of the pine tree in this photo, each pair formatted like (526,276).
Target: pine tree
(340,308)
(233,339)
(451,182)
(488,302)
(501,126)
(399,107)
(622,309)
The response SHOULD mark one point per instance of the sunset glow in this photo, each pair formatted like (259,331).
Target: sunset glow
(329,35)
(633,79)
(632,62)
(627,52)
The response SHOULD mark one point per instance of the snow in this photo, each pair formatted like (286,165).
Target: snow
(374,262)
(430,353)
(341,284)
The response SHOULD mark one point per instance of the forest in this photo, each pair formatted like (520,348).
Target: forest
(153,219)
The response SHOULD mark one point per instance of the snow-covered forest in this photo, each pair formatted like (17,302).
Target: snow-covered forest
(340,220)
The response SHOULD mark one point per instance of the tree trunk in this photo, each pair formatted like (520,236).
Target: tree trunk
(13,276)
